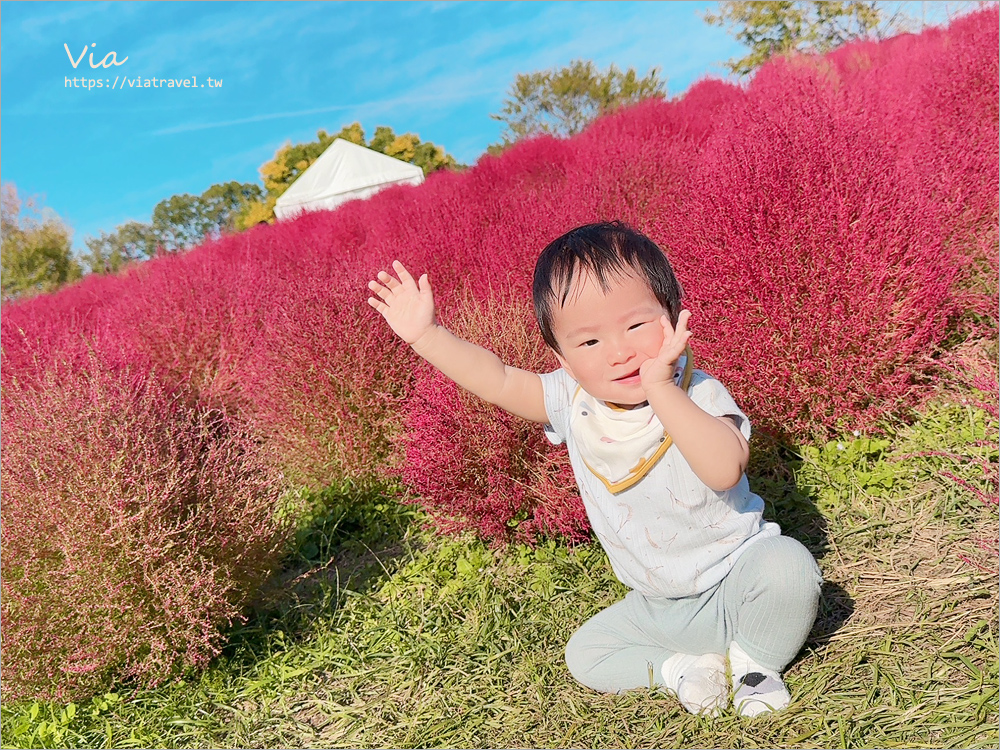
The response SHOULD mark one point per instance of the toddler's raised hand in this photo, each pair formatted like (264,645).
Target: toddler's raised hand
(660,369)
(406,305)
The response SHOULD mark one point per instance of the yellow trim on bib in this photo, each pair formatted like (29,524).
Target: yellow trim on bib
(616,487)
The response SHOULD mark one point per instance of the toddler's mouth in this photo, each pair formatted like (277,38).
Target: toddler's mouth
(631,377)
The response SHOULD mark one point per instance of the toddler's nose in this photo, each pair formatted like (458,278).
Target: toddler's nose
(620,354)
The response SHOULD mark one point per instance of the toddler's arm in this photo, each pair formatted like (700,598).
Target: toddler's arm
(408,308)
(714,447)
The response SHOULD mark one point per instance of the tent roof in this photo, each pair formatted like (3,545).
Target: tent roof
(346,168)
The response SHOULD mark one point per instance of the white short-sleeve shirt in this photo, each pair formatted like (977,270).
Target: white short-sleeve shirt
(669,535)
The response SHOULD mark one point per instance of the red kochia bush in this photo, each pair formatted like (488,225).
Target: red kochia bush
(325,382)
(818,278)
(934,99)
(827,222)
(475,467)
(193,317)
(38,330)
(635,165)
(135,526)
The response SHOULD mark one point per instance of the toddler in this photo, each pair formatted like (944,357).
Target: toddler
(659,451)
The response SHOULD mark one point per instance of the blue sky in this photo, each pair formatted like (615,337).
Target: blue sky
(102,156)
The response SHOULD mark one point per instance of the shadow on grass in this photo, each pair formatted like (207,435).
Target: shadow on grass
(772,475)
(835,609)
(347,540)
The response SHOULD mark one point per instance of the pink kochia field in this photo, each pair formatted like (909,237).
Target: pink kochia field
(833,223)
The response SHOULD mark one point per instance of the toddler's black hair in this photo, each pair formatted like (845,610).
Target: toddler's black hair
(606,249)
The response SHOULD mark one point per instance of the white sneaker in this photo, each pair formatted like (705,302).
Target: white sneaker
(756,689)
(699,682)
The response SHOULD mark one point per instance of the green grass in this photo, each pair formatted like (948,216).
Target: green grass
(379,634)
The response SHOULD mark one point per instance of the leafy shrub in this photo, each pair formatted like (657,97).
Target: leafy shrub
(474,466)
(134,525)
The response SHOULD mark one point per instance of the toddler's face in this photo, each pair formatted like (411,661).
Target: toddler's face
(605,337)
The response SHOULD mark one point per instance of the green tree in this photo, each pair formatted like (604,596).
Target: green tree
(563,101)
(178,222)
(223,206)
(130,242)
(780,28)
(35,247)
(185,220)
(382,139)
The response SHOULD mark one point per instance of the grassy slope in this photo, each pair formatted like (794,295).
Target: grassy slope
(449,643)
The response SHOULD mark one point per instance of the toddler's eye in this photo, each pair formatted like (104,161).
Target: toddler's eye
(591,342)
(633,327)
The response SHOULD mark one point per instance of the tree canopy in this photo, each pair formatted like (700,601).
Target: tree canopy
(779,27)
(178,222)
(563,101)
(35,247)
(110,252)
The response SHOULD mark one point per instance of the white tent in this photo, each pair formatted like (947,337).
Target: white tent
(343,172)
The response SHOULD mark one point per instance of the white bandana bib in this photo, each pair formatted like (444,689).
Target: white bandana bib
(618,445)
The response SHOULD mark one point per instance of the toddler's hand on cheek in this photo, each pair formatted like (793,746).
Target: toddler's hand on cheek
(659,370)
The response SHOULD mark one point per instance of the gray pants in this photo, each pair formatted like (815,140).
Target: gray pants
(767,603)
